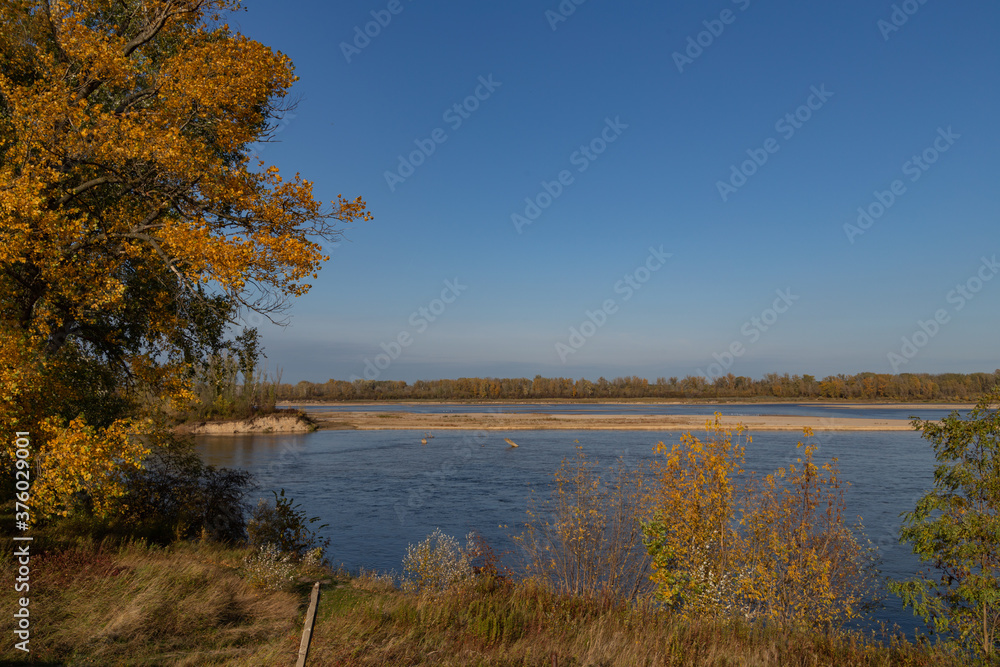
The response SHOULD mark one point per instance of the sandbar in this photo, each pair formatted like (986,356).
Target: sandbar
(509,421)
(271,423)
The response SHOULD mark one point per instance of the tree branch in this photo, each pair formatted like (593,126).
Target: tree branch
(156,25)
(83,187)
(133,98)
(151,30)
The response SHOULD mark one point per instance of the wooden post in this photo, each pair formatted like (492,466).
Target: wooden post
(307,627)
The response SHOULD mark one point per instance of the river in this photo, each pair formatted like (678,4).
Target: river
(382,490)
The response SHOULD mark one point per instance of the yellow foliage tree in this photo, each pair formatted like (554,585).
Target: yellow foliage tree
(776,549)
(133,226)
(691,500)
(802,563)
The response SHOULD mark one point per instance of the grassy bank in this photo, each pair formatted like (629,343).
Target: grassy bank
(192,604)
(186,604)
(496,623)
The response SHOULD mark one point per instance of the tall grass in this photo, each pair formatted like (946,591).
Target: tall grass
(495,621)
(142,605)
(192,604)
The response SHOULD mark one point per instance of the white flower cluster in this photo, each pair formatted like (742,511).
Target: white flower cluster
(713,589)
(269,569)
(437,563)
(314,558)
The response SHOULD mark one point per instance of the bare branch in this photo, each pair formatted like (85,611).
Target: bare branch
(83,187)
(156,25)
(133,98)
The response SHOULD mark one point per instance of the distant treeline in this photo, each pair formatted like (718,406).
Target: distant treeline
(863,386)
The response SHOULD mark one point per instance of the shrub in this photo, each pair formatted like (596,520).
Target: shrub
(284,525)
(802,563)
(710,542)
(269,568)
(585,539)
(173,496)
(314,558)
(777,549)
(437,563)
(955,528)
(691,498)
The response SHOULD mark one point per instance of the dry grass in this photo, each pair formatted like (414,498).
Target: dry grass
(136,605)
(188,605)
(494,622)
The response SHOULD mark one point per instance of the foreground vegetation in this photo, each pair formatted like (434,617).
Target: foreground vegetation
(191,604)
(137,604)
(861,386)
(499,622)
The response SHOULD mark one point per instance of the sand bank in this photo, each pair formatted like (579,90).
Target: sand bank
(369,421)
(263,424)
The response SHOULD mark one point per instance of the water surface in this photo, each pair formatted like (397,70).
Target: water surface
(727,409)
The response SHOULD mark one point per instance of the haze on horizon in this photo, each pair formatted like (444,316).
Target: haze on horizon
(599,189)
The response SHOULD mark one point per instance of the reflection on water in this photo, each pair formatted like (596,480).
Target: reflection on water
(252,452)
(383,490)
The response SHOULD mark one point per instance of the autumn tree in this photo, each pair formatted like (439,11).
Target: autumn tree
(776,549)
(133,226)
(691,499)
(801,561)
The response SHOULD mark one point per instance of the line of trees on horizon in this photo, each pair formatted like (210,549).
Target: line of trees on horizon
(861,386)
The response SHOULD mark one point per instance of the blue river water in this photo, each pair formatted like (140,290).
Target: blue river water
(382,490)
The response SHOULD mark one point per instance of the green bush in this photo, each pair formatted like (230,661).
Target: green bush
(175,496)
(286,526)
(955,528)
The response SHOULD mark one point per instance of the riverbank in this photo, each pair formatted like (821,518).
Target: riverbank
(193,603)
(271,423)
(509,421)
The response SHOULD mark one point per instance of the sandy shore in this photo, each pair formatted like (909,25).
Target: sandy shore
(264,424)
(372,421)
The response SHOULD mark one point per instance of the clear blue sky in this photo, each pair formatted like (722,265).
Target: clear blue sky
(662,121)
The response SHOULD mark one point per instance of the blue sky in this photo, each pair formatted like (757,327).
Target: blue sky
(644,110)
